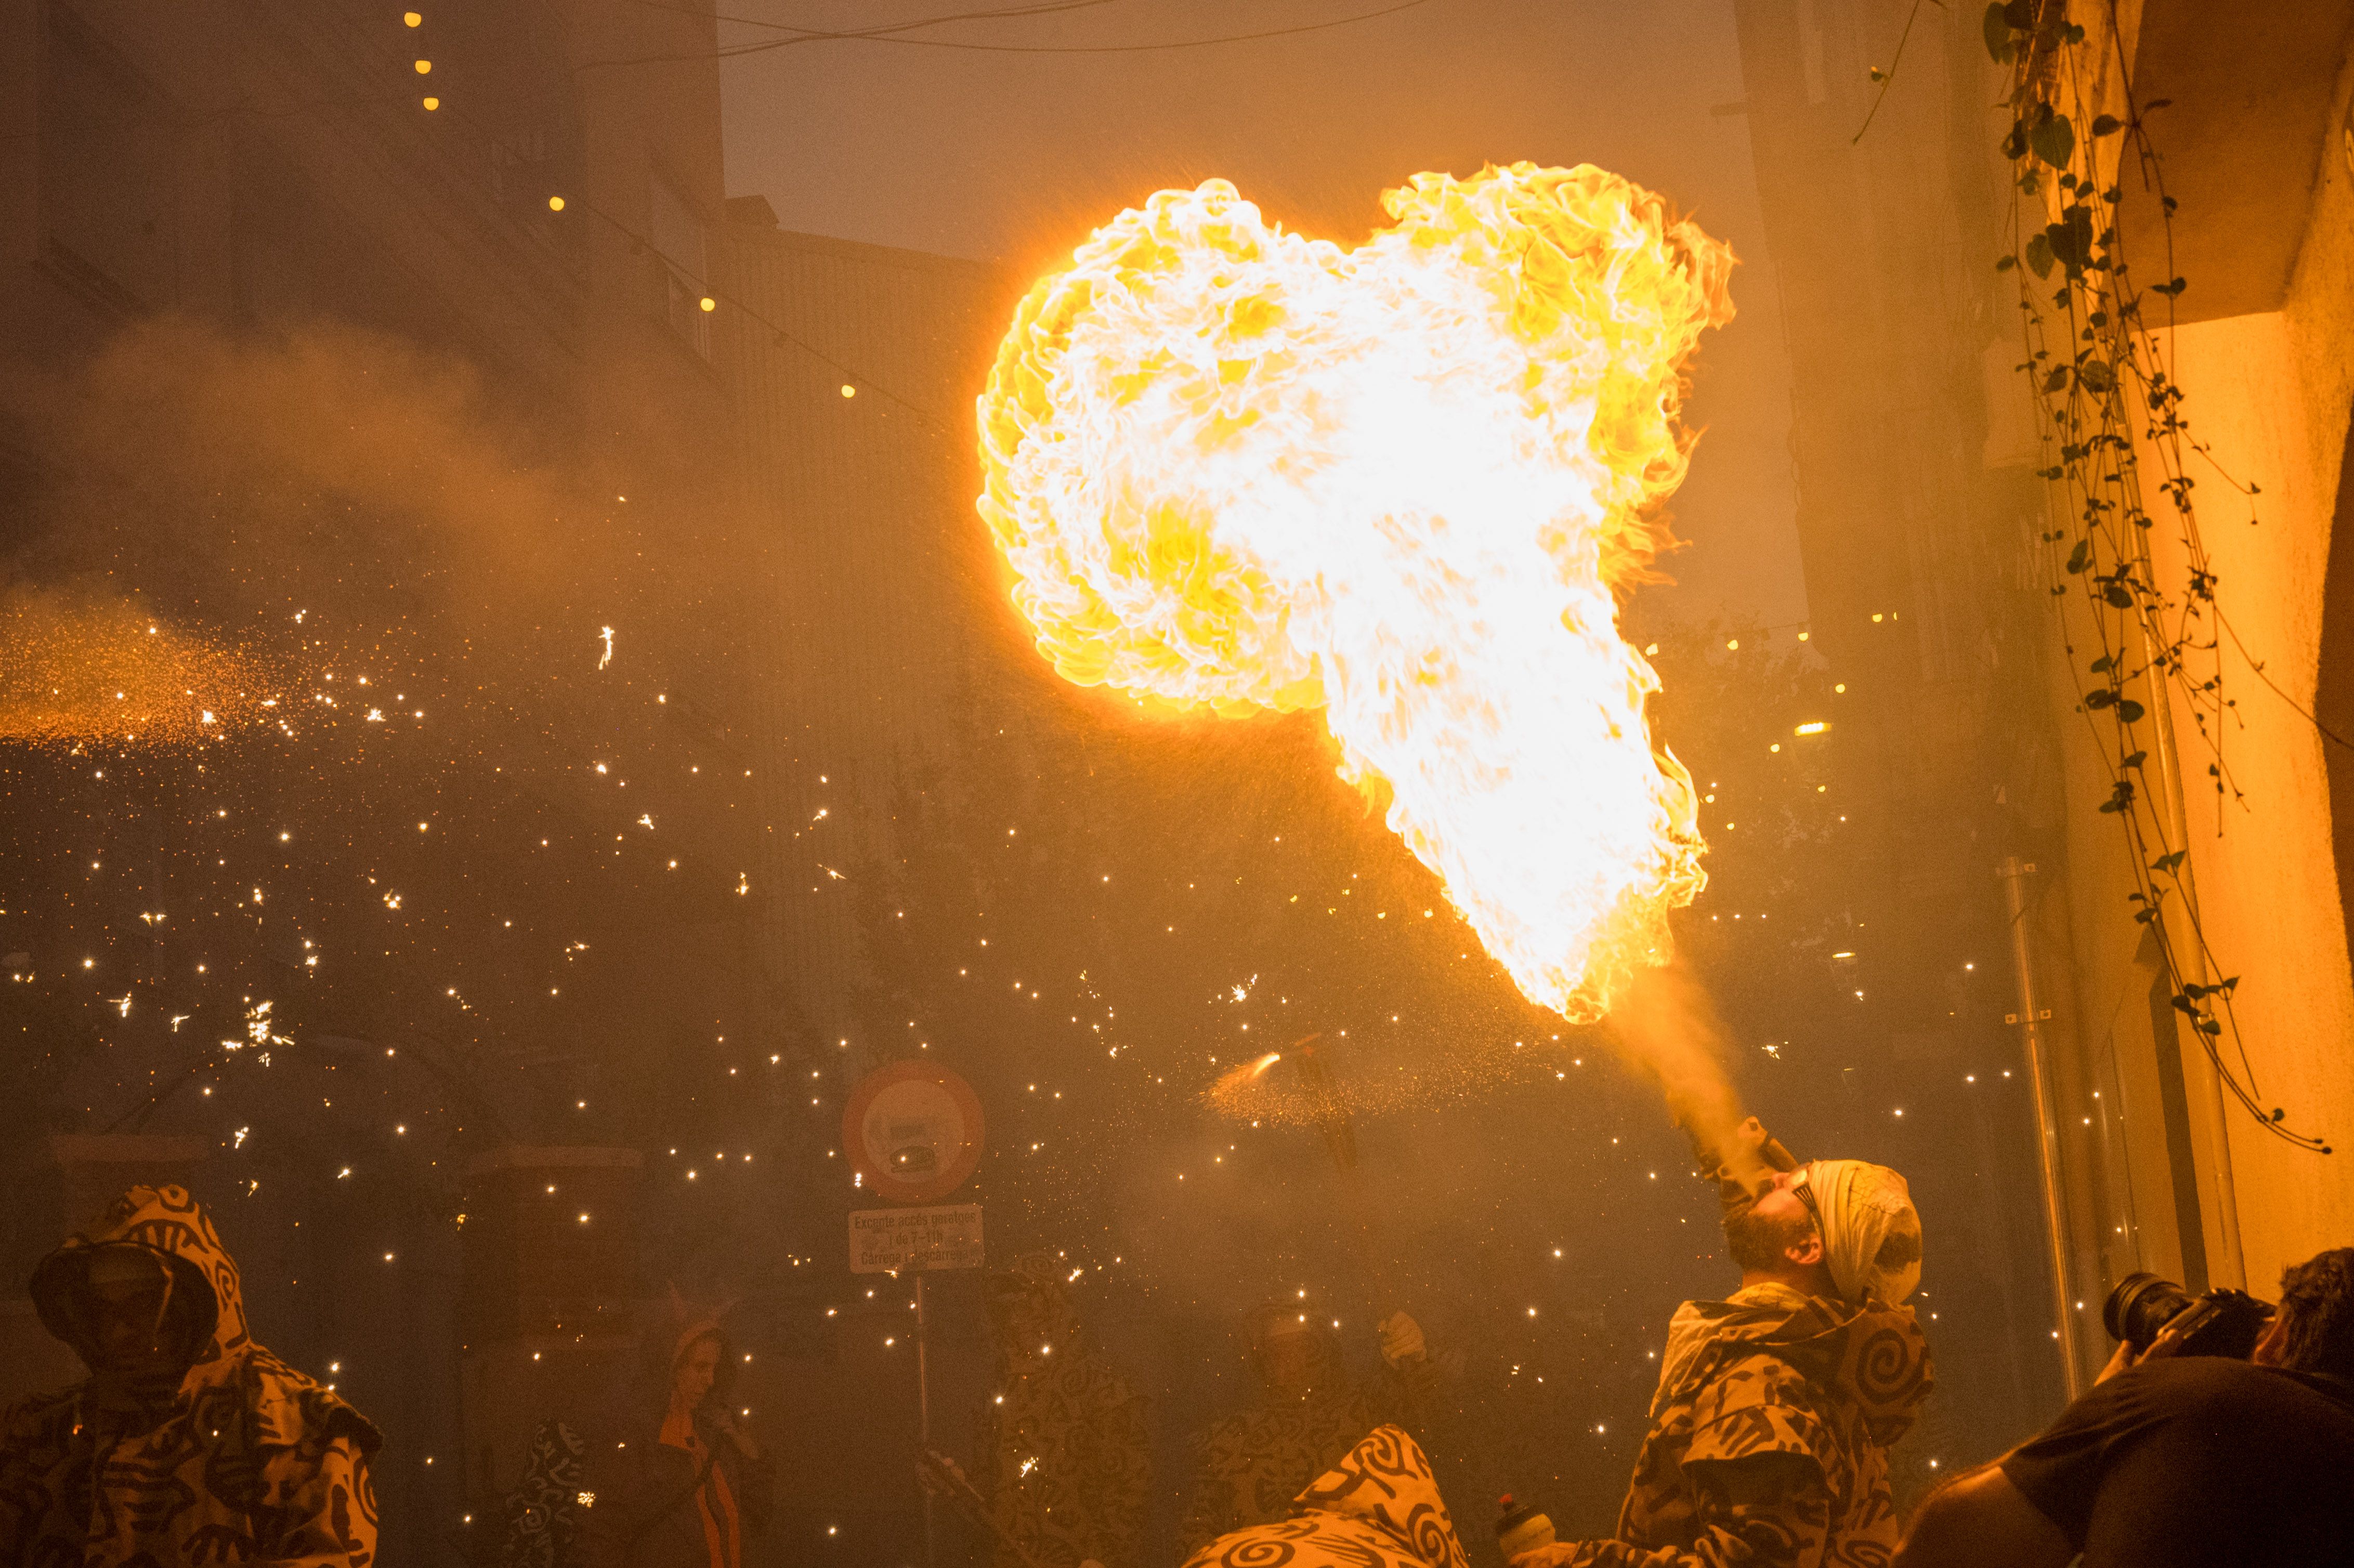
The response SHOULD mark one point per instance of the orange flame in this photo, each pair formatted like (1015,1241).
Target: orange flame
(1232,467)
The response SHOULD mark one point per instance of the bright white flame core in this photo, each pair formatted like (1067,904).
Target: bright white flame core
(1230,466)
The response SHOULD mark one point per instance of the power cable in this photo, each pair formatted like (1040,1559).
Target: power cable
(1043,8)
(940,427)
(890,36)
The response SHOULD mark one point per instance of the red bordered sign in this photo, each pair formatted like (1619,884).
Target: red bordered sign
(913,1132)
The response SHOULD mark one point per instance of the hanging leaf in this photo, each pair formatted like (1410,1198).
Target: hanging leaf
(2053,141)
(2129,710)
(2101,697)
(2071,238)
(2077,560)
(2005,263)
(2097,375)
(1997,28)
(2106,125)
(2116,594)
(2039,253)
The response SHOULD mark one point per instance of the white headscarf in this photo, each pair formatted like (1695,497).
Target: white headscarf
(1872,1232)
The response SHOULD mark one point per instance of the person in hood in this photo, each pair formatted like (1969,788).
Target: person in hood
(694,1489)
(1065,1459)
(1377,1507)
(1776,1407)
(1249,1466)
(188,1443)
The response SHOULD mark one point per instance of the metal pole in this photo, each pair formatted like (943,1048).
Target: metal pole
(2014,876)
(2230,1267)
(924,1407)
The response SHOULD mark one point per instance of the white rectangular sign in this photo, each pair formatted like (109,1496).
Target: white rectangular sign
(886,1241)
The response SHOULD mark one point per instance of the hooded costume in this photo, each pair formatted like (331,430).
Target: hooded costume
(683,1494)
(1377,1508)
(543,1519)
(1064,1458)
(1776,1409)
(1248,1467)
(228,1457)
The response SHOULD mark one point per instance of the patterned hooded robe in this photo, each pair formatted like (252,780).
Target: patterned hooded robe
(1065,1457)
(1378,1508)
(243,1460)
(1769,1437)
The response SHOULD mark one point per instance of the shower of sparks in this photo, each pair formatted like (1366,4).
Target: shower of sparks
(76,673)
(607,633)
(1238,469)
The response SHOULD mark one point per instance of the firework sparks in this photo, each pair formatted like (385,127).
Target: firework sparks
(76,673)
(1238,469)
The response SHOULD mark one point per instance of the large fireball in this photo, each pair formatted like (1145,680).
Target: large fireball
(1231,466)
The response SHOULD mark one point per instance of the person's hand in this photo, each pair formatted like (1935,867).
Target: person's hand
(1546,1556)
(736,1433)
(1402,1339)
(2168,1343)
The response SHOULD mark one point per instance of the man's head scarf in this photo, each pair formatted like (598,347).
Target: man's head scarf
(1872,1232)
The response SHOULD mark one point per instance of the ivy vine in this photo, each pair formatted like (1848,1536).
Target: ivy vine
(2101,372)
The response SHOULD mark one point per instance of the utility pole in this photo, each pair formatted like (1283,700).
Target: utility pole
(2030,1016)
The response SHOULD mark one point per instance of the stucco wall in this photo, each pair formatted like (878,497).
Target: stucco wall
(2268,395)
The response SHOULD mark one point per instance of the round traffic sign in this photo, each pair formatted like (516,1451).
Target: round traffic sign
(913,1132)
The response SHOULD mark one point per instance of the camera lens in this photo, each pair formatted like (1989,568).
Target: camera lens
(2141,1304)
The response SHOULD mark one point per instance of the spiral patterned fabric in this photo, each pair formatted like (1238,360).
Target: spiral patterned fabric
(1769,1437)
(1378,1508)
(1249,1466)
(541,1525)
(245,1460)
(1066,1456)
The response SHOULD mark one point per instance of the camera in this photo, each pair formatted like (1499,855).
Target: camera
(2219,1323)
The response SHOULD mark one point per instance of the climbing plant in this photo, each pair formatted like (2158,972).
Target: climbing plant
(2098,353)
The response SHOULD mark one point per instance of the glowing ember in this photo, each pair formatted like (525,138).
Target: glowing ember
(77,671)
(1233,467)
(1233,1083)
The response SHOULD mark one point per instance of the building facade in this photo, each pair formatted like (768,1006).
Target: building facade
(1888,196)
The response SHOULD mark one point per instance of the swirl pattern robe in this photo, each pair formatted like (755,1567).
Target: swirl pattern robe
(1378,1508)
(243,1460)
(1770,1438)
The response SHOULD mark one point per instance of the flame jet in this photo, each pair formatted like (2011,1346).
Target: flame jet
(1236,468)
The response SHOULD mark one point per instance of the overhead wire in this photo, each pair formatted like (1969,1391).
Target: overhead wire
(939,425)
(891,35)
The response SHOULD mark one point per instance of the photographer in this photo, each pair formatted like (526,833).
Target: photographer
(2180,1459)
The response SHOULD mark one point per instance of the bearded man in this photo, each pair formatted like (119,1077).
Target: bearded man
(1776,1408)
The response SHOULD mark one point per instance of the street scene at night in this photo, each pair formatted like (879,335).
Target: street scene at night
(1176,783)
